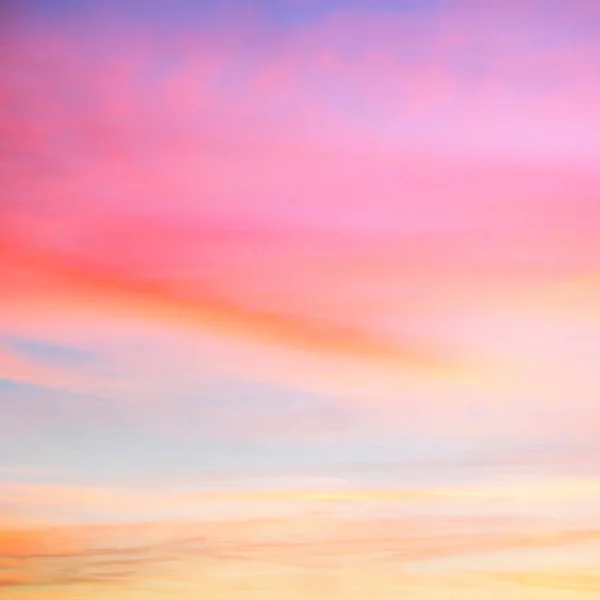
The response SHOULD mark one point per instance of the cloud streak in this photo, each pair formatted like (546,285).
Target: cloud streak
(114,554)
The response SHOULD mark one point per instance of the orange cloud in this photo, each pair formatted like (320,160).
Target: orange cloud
(75,276)
(116,554)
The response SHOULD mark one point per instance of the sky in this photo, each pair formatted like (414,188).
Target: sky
(300,299)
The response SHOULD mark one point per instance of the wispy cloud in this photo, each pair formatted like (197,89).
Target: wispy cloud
(112,554)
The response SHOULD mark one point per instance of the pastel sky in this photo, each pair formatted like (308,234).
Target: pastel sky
(300,299)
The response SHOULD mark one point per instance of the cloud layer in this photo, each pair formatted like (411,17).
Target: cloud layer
(344,257)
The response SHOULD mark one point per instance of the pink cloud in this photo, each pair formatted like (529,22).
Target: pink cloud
(370,213)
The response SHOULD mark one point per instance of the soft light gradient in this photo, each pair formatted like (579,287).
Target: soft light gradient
(300,300)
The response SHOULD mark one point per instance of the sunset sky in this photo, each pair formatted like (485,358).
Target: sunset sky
(300,300)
